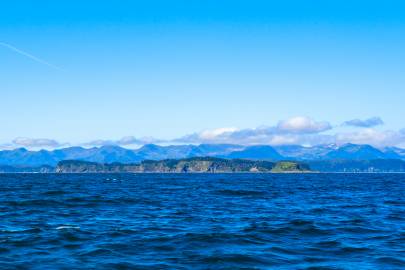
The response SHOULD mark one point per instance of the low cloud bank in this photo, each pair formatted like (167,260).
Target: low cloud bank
(298,130)
(36,143)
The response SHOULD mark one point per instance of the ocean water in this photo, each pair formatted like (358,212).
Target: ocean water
(202,221)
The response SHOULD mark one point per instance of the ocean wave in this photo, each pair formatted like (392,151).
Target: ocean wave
(67,227)
(230,221)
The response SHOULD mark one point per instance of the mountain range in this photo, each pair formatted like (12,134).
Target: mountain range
(112,153)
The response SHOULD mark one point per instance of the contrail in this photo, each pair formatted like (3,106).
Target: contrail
(36,59)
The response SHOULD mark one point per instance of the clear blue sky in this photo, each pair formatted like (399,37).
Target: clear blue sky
(108,69)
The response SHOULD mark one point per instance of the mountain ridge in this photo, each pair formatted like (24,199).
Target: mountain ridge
(112,153)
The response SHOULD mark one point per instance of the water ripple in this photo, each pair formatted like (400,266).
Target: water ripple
(204,221)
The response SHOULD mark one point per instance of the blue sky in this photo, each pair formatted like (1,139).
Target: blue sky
(73,72)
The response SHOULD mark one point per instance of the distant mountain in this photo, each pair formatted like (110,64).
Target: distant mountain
(216,150)
(344,152)
(356,152)
(110,154)
(259,152)
(394,152)
(156,152)
(356,166)
(299,152)
(22,156)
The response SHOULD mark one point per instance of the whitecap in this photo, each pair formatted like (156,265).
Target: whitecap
(67,227)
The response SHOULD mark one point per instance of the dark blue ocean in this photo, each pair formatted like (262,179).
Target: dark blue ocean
(202,221)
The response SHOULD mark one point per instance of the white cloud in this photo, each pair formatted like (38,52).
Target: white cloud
(372,137)
(297,130)
(367,123)
(98,143)
(273,136)
(128,140)
(302,124)
(124,141)
(36,143)
(7,146)
(213,133)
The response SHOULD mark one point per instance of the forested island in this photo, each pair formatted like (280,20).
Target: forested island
(188,165)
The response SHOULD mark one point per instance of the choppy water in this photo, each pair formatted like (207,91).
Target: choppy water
(202,221)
